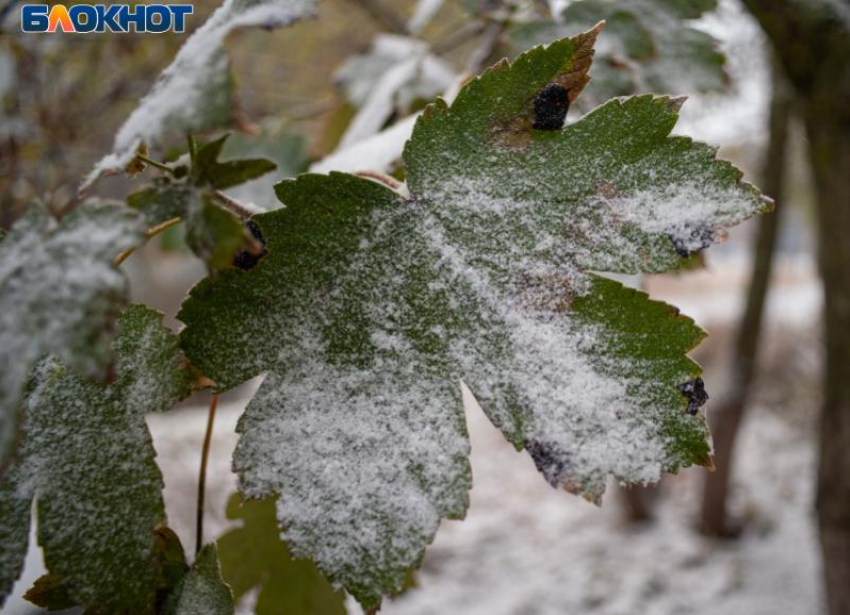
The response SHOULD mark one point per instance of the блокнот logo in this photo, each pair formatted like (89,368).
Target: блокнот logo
(83,18)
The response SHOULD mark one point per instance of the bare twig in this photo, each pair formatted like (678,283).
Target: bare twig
(156,164)
(202,477)
(234,206)
(151,232)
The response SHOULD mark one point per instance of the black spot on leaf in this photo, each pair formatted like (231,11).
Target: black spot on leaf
(691,238)
(694,391)
(246,258)
(550,107)
(551,462)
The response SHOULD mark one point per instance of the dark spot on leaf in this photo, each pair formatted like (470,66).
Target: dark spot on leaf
(248,259)
(691,238)
(694,391)
(550,107)
(550,460)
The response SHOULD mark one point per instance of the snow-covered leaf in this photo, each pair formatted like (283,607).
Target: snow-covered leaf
(361,429)
(648,46)
(15,505)
(59,294)
(253,556)
(370,307)
(202,591)
(194,92)
(88,460)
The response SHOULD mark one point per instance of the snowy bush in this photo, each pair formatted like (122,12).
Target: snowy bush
(367,303)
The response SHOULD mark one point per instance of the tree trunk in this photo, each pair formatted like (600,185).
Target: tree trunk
(726,417)
(830,152)
(812,39)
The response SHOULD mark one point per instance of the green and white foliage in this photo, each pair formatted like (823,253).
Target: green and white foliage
(59,294)
(192,193)
(371,306)
(194,93)
(253,556)
(649,46)
(88,461)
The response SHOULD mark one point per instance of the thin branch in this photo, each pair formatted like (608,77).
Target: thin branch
(202,477)
(150,233)
(234,206)
(154,163)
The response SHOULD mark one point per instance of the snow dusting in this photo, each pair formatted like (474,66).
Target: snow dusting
(99,498)
(59,293)
(193,92)
(371,307)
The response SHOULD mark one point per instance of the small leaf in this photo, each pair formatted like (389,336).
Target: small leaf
(254,556)
(59,293)
(50,593)
(88,457)
(202,591)
(171,561)
(207,170)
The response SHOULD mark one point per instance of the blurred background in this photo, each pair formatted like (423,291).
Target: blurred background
(336,93)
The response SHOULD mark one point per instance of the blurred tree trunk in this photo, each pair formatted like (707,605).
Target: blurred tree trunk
(812,40)
(726,417)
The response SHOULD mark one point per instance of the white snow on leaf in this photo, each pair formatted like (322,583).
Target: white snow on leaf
(87,458)
(192,92)
(59,293)
(377,476)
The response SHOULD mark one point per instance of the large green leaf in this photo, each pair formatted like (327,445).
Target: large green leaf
(370,306)
(648,46)
(194,92)
(89,463)
(376,472)
(202,591)
(254,556)
(59,294)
